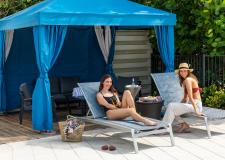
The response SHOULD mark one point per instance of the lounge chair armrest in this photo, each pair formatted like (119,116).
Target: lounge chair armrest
(195,115)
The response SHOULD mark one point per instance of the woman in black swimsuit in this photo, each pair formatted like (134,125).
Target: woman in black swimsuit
(108,98)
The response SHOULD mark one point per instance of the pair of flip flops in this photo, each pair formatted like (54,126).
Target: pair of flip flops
(108,147)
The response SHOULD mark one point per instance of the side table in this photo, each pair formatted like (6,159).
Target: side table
(149,109)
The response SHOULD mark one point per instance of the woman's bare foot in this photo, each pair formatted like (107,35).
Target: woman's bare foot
(183,128)
(148,122)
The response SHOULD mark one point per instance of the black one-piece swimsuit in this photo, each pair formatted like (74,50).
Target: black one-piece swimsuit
(109,100)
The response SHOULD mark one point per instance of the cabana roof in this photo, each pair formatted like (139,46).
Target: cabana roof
(88,12)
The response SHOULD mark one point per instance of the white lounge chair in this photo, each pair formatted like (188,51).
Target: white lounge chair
(171,91)
(137,129)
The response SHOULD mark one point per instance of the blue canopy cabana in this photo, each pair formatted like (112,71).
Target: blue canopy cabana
(49,20)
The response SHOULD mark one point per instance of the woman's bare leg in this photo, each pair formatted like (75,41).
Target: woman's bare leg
(126,112)
(127,100)
(124,102)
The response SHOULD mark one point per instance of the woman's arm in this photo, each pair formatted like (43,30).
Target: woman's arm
(188,85)
(185,98)
(103,102)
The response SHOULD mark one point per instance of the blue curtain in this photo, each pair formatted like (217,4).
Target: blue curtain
(165,40)
(80,56)
(109,65)
(48,42)
(2,82)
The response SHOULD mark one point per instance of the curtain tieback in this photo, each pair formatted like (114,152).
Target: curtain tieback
(44,75)
(109,68)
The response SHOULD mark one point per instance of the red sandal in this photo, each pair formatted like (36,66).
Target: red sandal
(105,147)
(112,148)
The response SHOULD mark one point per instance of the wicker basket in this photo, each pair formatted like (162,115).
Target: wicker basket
(76,136)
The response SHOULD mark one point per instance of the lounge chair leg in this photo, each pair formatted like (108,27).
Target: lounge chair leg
(207,127)
(134,141)
(55,118)
(21,115)
(88,112)
(171,135)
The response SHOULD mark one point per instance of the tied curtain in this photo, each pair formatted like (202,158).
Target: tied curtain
(109,65)
(106,40)
(48,42)
(165,40)
(8,42)
(6,38)
(103,35)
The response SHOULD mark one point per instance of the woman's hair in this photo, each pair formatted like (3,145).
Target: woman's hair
(189,75)
(111,89)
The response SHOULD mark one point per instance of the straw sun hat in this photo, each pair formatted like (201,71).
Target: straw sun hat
(183,66)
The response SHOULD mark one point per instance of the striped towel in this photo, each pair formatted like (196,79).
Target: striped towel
(77,92)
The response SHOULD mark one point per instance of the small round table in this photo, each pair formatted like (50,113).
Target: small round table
(149,109)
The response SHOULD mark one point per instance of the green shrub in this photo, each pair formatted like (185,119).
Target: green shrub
(214,96)
(200,25)
(8,7)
